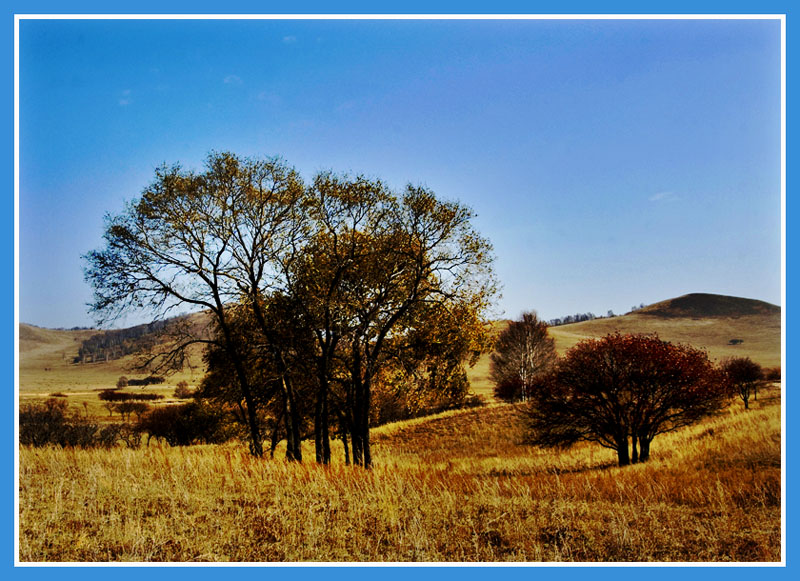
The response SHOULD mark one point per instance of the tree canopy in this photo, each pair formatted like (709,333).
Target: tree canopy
(622,391)
(523,352)
(343,273)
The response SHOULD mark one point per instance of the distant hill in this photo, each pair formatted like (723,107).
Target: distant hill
(47,357)
(703,305)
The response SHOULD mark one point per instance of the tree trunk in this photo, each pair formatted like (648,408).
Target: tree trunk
(293,451)
(322,444)
(346,448)
(365,426)
(634,451)
(644,455)
(623,455)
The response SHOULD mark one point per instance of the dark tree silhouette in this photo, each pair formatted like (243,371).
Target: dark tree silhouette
(744,376)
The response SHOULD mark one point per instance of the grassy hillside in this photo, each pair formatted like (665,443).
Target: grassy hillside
(454,487)
(45,364)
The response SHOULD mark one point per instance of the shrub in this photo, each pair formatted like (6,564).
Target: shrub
(182,390)
(51,422)
(186,424)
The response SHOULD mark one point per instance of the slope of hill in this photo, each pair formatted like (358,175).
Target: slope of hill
(46,363)
(724,326)
(703,305)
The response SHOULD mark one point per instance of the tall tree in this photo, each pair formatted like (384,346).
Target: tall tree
(523,351)
(186,244)
(373,258)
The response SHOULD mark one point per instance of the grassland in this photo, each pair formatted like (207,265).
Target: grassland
(454,487)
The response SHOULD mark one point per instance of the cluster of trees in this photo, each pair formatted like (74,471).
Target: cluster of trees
(51,422)
(576,318)
(620,391)
(116,343)
(133,382)
(115,395)
(327,298)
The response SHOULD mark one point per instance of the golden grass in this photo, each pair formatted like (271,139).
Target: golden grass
(455,487)
(761,334)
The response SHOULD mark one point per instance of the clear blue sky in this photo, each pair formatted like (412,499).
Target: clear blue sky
(611,163)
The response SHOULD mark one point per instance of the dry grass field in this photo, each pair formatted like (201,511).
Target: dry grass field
(458,486)
(453,487)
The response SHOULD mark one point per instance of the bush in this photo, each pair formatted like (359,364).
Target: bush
(772,374)
(114,395)
(182,391)
(51,422)
(186,424)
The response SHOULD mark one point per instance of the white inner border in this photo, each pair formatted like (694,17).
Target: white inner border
(781,17)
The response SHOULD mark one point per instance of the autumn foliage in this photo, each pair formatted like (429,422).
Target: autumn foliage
(622,391)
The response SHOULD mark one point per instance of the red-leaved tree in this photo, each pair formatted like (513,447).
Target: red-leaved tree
(621,391)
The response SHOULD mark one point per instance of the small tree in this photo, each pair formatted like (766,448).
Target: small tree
(523,352)
(122,382)
(182,390)
(744,376)
(622,391)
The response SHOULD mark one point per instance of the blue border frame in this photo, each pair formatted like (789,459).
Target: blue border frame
(354,7)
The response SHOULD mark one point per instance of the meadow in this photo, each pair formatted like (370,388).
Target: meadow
(454,487)
(457,486)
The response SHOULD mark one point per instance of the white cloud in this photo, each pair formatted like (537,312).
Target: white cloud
(289,39)
(664,197)
(232,80)
(125,99)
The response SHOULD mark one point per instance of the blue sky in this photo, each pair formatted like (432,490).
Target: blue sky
(611,163)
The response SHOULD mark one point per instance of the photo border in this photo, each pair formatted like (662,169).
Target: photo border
(352,571)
